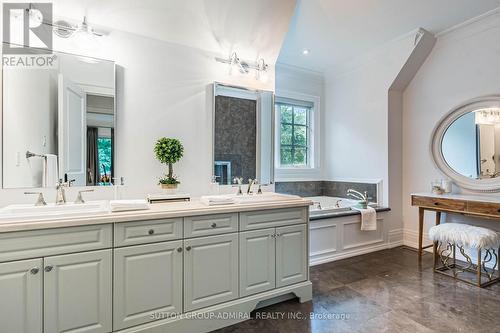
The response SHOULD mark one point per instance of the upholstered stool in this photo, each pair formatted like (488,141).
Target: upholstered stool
(449,237)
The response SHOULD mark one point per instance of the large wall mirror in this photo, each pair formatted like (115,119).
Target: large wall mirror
(59,122)
(243,134)
(466,144)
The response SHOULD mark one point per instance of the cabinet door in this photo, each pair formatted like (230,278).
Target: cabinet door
(291,251)
(21,296)
(77,293)
(147,283)
(257,261)
(210,271)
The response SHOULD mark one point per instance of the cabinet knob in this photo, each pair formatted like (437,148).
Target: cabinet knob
(188,248)
(179,249)
(34,271)
(498,210)
(214,225)
(151,231)
(436,203)
(49,268)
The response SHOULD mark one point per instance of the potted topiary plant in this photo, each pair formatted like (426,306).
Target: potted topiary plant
(169,151)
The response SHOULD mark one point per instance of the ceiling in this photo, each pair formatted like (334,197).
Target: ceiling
(253,28)
(336,31)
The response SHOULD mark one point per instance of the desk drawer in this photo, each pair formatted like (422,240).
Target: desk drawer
(439,203)
(210,225)
(41,243)
(485,208)
(150,231)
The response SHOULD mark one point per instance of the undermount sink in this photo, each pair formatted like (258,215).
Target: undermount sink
(51,210)
(263,198)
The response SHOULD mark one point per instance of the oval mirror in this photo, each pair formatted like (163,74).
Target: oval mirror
(466,145)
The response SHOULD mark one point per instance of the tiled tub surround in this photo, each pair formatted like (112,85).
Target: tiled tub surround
(326,188)
(91,271)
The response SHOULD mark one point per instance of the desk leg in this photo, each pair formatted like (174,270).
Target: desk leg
(420,231)
(438,221)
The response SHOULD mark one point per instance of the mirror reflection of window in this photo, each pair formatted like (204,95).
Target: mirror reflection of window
(100,139)
(471,144)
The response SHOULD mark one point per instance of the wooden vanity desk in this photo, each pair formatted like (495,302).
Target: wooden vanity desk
(469,205)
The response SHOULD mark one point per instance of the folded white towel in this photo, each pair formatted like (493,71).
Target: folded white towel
(126,205)
(368,218)
(213,200)
(50,173)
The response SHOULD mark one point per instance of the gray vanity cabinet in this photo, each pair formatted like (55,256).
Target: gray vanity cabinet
(272,258)
(21,293)
(147,283)
(291,255)
(257,261)
(210,270)
(78,293)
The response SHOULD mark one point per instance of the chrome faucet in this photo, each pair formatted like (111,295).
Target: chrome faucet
(239,182)
(40,201)
(61,191)
(358,195)
(250,184)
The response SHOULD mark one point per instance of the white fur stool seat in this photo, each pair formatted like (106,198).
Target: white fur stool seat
(465,235)
(454,239)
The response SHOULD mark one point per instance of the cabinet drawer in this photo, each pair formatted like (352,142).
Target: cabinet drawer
(40,243)
(151,231)
(272,218)
(210,225)
(441,203)
(486,208)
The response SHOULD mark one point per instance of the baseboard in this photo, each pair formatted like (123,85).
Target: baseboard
(395,238)
(410,239)
(352,253)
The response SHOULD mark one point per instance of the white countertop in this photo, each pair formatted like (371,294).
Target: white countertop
(157,211)
(466,197)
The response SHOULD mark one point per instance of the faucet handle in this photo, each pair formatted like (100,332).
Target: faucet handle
(79,197)
(40,201)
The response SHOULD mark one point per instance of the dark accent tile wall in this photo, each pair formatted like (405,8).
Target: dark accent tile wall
(236,135)
(339,189)
(304,189)
(326,188)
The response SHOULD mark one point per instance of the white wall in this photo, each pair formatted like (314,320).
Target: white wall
(30,96)
(297,83)
(163,89)
(356,117)
(462,65)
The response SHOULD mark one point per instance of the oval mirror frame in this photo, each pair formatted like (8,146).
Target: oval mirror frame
(474,185)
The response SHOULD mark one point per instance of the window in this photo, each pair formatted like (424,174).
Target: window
(294,132)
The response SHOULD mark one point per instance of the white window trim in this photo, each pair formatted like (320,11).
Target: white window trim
(313,171)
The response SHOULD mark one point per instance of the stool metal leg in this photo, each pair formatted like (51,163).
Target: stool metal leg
(479,267)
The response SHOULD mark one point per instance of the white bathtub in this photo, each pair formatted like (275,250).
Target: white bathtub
(324,204)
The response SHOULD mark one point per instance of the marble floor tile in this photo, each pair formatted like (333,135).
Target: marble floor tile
(385,291)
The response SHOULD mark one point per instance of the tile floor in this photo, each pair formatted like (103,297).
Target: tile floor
(384,291)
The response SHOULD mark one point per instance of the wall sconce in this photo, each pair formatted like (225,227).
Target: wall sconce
(244,66)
